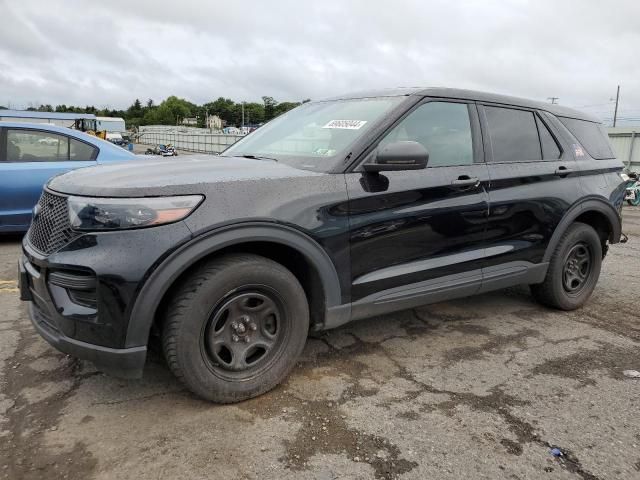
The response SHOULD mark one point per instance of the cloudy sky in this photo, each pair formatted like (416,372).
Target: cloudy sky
(108,53)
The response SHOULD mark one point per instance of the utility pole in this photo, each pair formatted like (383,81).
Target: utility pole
(615,112)
(242,129)
(553,99)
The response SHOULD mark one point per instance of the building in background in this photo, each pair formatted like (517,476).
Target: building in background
(626,145)
(190,121)
(110,124)
(214,122)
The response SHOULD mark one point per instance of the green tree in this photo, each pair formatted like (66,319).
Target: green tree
(285,107)
(253,113)
(269,108)
(225,108)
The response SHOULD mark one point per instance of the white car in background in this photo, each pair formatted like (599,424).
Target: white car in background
(48,141)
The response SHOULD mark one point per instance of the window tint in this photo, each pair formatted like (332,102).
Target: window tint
(81,151)
(36,146)
(513,133)
(550,149)
(591,135)
(443,128)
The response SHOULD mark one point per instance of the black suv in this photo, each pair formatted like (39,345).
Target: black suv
(337,210)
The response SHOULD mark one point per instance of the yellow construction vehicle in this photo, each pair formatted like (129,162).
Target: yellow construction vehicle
(89,125)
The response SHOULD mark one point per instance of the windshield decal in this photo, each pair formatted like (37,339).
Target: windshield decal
(346,124)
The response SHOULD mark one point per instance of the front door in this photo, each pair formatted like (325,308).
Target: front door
(419,234)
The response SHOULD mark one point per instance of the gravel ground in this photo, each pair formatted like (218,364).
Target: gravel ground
(482,387)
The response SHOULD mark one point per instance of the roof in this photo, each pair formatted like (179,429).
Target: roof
(462,94)
(46,115)
(110,119)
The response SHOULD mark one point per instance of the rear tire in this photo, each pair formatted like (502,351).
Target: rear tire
(235,327)
(573,270)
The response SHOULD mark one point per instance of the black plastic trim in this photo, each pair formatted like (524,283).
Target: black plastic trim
(123,363)
(440,289)
(70,280)
(590,204)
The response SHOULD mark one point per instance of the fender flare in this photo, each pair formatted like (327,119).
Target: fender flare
(159,282)
(593,204)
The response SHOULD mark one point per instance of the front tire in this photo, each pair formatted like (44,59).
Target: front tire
(573,271)
(235,327)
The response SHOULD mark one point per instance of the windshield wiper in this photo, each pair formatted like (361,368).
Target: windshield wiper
(255,157)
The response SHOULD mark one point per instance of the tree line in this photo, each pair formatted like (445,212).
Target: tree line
(173,110)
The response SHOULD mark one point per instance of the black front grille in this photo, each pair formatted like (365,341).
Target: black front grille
(50,229)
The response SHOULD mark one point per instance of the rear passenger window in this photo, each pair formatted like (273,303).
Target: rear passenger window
(513,134)
(81,151)
(550,149)
(443,128)
(591,135)
(25,145)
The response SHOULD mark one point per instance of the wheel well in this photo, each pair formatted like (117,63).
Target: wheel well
(600,224)
(287,256)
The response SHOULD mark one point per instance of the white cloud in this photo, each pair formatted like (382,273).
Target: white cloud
(109,53)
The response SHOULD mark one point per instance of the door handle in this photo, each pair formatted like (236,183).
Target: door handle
(563,171)
(466,181)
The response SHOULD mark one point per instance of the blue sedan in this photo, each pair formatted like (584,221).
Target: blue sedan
(30,154)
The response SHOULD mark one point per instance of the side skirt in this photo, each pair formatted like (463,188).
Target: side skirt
(437,290)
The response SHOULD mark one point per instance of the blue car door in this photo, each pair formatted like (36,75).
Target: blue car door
(28,158)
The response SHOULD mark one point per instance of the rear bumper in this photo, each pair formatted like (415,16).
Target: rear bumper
(119,362)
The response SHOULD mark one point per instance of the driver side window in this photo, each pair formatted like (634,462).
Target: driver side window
(443,128)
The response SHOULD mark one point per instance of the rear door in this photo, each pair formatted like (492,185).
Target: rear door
(423,228)
(533,182)
(28,158)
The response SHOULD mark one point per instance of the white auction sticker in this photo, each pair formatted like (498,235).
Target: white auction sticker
(346,124)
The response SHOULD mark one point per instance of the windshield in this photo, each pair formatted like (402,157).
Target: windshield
(315,135)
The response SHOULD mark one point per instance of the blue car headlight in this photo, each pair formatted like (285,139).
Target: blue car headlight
(91,214)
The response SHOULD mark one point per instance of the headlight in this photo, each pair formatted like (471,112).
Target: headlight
(86,213)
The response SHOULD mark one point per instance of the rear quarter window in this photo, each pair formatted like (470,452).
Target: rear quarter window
(591,135)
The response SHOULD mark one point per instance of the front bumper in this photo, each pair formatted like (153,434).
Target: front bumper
(80,297)
(119,362)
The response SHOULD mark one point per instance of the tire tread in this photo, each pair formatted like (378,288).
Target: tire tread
(546,292)
(184,297)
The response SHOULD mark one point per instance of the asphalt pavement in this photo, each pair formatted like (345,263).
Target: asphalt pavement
(482,387)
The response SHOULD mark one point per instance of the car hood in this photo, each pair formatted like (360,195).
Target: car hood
(184,175)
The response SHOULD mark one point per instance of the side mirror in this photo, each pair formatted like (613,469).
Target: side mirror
(399,156)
